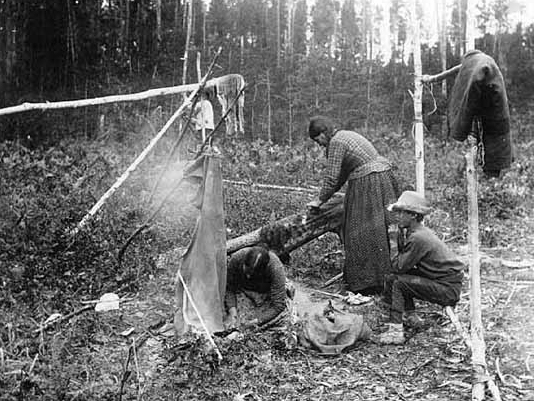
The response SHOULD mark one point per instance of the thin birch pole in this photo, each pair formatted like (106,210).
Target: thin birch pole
(187,39)
(72,104)
(190,297)
(199,75)
(417,103)
(442,23)
(478,360)
(143,154)
(133,166)
(480,374)
(269,112)
(479,369)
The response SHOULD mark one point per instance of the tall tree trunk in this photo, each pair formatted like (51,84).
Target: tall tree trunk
(158,24)
(289,30)
(8,47)
(269,111)
(442,23)
(470,28)
(189,12)
(278,47)
(204,12)
(369,67)
(242,52)
(126,32)
(365,13)
(177,4)
(369,79)
(459,48)
(252,113)
(417,102)
(290,111)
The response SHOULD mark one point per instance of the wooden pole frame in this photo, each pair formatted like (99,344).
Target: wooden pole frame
(96,207)
(476,342)
(72,104)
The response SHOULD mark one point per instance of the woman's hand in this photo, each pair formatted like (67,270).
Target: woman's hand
(314,205)
(231,319)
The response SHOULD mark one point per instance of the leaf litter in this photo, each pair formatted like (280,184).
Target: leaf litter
(84,357)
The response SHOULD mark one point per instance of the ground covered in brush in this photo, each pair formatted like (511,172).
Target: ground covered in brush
(128,354)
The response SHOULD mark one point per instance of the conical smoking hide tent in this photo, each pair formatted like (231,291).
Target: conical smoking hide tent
(203,265)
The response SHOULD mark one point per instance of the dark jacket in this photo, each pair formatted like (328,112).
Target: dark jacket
(479,91)
(430,257)
(272,281)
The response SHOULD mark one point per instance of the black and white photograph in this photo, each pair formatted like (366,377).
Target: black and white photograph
(266,200)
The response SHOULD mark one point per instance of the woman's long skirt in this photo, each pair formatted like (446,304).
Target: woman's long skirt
(365,231)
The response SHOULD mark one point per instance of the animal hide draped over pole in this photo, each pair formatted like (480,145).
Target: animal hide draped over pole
(417,103)
(227,89)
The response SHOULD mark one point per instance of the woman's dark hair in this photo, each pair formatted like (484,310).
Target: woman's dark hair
(318,125)
(257,258)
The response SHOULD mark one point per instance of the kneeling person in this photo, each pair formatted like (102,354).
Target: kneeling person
(256,269)
(425,267)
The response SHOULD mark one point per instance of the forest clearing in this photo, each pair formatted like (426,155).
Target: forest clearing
(84,356)
(99,201)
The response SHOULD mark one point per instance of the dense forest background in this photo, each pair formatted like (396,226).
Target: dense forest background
(298,59)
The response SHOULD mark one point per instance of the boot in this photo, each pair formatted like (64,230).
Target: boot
(394,335)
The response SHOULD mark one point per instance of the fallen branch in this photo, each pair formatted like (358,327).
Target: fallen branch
(132,351)
(270,186)
(459,328)
(64,318)
(333,280)
(293,231)
(143,154)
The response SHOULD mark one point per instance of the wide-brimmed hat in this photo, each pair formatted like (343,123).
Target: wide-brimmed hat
(411,201)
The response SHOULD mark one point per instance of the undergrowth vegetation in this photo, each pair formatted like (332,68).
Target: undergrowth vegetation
(45,191)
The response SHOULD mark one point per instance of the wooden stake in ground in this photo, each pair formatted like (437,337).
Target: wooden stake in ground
(478,354)
(190,297)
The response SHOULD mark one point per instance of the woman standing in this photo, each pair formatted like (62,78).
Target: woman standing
(371,187)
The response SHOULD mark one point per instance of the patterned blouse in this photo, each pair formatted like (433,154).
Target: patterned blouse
(349,156)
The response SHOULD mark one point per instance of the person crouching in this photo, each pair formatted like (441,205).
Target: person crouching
(425,267)
(260,270)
